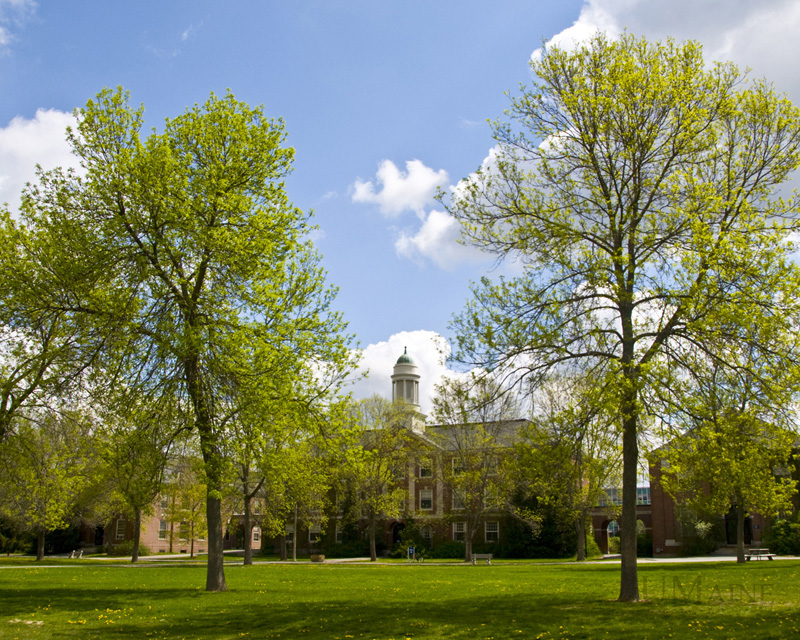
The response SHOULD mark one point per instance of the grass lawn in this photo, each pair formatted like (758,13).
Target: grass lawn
(716,600)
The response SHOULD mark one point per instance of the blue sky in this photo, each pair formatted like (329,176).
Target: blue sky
(383,101)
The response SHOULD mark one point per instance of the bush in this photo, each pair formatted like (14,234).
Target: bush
(613,544)
(784,538)
(352,549)
(592,550)
(448,550)
(126,549)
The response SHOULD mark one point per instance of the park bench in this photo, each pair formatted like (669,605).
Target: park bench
(482,556)
(759,553)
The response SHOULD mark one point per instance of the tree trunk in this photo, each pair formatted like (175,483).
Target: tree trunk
(373,555)
(284,555)
(40,544)
(581,525)
(629,580)
(294,536)
(739,531)
(468,546)
(248,528)
(215,571)
(212,459)
(137,533)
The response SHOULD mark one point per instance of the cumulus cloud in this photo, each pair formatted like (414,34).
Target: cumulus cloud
(396,191)
(24,143)
(428,350)
(437,240)
(759,35)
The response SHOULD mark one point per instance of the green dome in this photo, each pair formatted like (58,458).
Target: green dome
(405,358)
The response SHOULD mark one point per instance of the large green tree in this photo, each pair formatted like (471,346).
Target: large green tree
(740,434)
(51,469)
(570,451)
(634,185)
(190,250)
(373,464)
(476,426)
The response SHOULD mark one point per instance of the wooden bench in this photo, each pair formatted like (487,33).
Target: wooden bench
(482,556)
(758,553)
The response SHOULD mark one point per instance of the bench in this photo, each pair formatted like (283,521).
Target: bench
(758,553)
(482,556)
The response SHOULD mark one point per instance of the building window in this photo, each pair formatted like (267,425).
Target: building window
(426,499)
(426,534)
(492,531)
(183,531)
(425,469)
(256,534)
(314,533)
(162,530)
(339,533)
(458,466)
(642,495)
(120,532)
(164,502)
(459,531)
(458,502)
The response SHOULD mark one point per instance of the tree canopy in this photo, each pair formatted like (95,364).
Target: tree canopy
(185,248)
(635,187)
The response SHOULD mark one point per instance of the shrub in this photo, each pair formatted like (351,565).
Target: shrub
(784,538)
(448,550)
(126,549)
(613,544)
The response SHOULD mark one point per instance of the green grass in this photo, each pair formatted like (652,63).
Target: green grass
(755,600)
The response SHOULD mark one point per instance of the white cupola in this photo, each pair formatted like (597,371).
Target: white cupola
(405,380)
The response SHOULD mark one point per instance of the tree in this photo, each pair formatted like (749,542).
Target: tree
(570,451)
(374,466)
(50,466)
(44,349)
(737,448)
(137,441)
(196,260)
(634,185)
(476,426)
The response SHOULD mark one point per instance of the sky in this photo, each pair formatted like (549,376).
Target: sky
(385,103)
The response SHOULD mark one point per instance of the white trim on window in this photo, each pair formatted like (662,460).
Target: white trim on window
(426,500)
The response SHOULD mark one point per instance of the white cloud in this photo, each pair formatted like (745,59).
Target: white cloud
(396,191)
(13,12)
(428,350)
(760,35)
(437,241)
(24,143)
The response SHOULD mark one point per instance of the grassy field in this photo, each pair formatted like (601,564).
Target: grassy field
(756,600)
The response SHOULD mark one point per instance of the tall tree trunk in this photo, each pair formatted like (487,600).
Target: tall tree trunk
(40,544)
(373,554)
(212,459)
(284,555)
(468,545)
(248,528)
(294,536)
(739,530)
(215,571)
(580,556)
(137,534)
(629,582)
